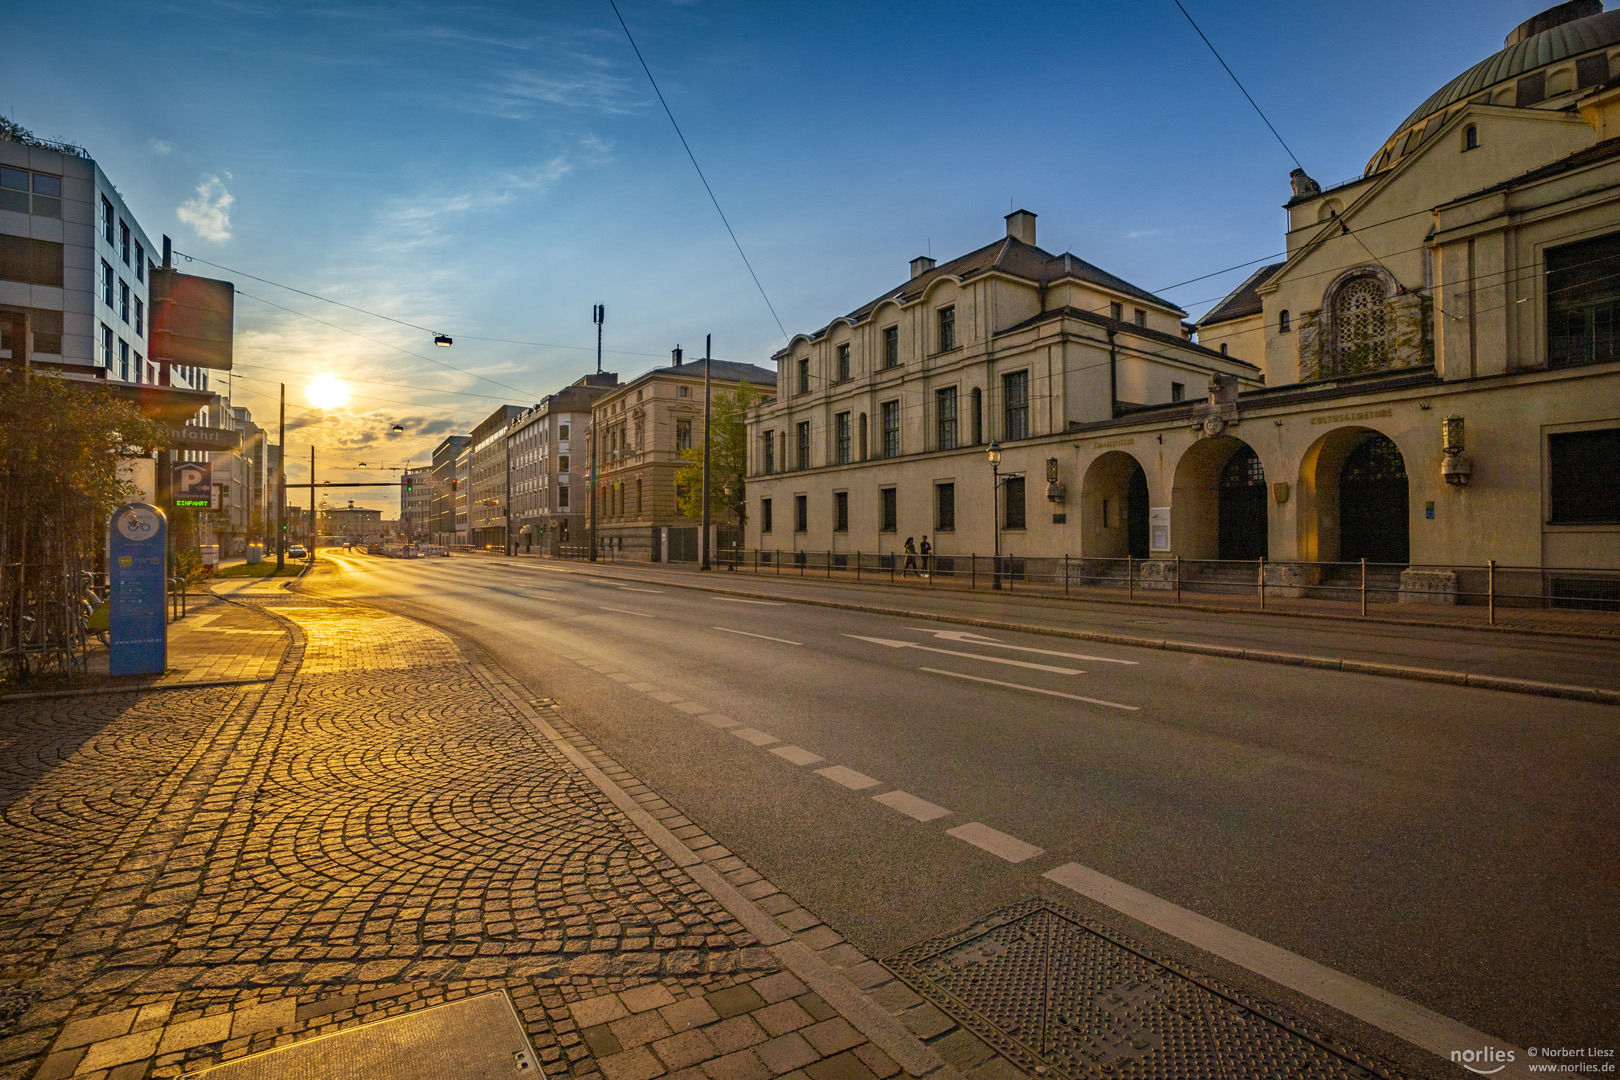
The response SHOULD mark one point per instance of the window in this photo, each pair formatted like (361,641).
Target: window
(840,511)
(843,363)
(945,418)
(562,432)
(978,416)
(1591,71)
(945,507)
(891,346)
(562,463)
(1141,317)
(841,431)
(891,428)
(1284,323)
(801,447)
(1359,322)
(804,375)
(106,283)
(683,435)
(140,263)
(14,190)
(123,242)
(106,220)
(562,496)
(1178,391)
(1585,477)
(1015,405)
(123,299)
(888,510)
(764,515)
(1012,499)
(123,361)
(947,328)
(1583,300)
(680,391)
(1116,311)
(1470,138)
(770,453)
(1532,90)
(1223,348)
(106,347)
(140,317)
(801,513)
(32,262)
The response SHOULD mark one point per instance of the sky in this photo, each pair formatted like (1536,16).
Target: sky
(491,171)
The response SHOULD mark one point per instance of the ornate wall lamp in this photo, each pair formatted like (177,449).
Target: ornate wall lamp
(1456,468)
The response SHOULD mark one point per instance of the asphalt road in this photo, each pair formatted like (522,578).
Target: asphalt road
(1456,847)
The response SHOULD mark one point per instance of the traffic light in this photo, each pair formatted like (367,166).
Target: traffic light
(453,484)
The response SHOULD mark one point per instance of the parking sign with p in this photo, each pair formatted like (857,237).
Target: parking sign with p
(193,484)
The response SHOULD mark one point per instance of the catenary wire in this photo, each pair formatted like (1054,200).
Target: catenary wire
(1239,83)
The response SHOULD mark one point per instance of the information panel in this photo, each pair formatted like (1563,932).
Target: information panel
(137,565)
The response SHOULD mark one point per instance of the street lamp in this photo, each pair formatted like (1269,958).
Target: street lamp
(995,508)
(739,506)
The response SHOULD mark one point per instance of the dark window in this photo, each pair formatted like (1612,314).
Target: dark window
(944,507)
(1223,348)
(803,433)
(106,347)
(843,363)
(1583,300)
(140,317)
(1585,477)
(891,428)
(14,190)
(1531,90)
(1470,138)
(1141,317)
(1178,391)
(15,179)
(106,283)
(801,513)
(978,416)
(888,509)
(1015,405)
(770,453)
(840,511)
(1012,498)
(841,423)
(804,375)
(764,515)
(48,185)
(562,463)
(106,220)
(32,262)
(1116,311)
(562,431)
(123,242)
(123,360)
(1283,322)
(123,300)
(1592,70)
(683,435)
(947,329)
(891,346)
(945,410)
(140,263)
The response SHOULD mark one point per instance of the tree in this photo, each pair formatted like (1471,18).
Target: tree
(728,460)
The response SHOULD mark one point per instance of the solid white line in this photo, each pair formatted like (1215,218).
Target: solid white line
(762,637)
(632,588)
(740,600)
(979,639)
(1032,689)
(622,611)
(994,841)
(971,656)
(1396,1015)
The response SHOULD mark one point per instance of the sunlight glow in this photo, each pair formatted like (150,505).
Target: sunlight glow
(327,392)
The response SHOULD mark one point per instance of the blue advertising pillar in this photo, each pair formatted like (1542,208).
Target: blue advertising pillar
(136,564)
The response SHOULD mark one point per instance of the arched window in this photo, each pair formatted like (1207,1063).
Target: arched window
(1223,348)
(1359,319)
(1283,325)
(1470,138)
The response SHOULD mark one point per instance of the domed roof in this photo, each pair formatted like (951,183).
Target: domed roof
(1556,43)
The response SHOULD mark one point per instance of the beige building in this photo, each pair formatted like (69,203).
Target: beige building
(548,470)
(1441,380)
(645,425)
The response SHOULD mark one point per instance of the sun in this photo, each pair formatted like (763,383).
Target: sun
(327,393)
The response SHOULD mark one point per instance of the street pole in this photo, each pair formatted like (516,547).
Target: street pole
(703,539)
(598,316)
(311,528)
(995,523)
(281,484)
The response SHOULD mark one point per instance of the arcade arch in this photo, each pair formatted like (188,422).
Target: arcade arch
(1218,507)
(1114,508)
(1355,500)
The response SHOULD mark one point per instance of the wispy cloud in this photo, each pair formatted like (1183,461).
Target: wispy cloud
(1141,234)
(587,83)
(209,211)
(160,147)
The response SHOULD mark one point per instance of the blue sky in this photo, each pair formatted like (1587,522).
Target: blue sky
(493,170)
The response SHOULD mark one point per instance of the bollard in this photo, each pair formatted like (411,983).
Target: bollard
(1364,588)
(1262,583)
(1178,579)
(1490,590)
(1130,577)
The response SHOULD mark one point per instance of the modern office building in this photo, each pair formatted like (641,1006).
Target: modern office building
(444,488)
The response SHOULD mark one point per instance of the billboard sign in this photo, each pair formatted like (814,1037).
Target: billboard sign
(193,319)
(193,485)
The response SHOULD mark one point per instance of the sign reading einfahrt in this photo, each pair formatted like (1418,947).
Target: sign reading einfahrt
(193,484)
(136,565)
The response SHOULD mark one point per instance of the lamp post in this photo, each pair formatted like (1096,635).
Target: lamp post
(995,509)
(739,506)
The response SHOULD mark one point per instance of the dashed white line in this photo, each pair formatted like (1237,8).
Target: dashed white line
(622,611)
(979,639)
(689,707)
(1032,689)
(895,644)
(762,637)
(994,841)
(632,588)
(719,720)
(911,806)
(619,676)
(797,754)
(668,697)
(848,777)
(644,687)
(740,600)
(755,736)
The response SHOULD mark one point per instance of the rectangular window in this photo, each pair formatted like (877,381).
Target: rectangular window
(123,242)
(891,346)
(1012,499)
(1585,477)
(31,262)
(683,435)
(106,283)
(1015,405)
(843,363)
(47,195)
(123,299)
(562,497)
(802,433)
(1532,90)
(140,263)
(562,463)
(1591,71)
(1116,311)
(1583,302)
(840,511)
(945,507)
(841,426)
(106,220)
(804,375)
(14,190)
(562,432)
(140,318)
(770,453)
(1178,391)
(1141,317)
(947,328)
(764,515)
(123,361)
(801,513)
(891,428)
(888,510)
(106,347)
(945,418)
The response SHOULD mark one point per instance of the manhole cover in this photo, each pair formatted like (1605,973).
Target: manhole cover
(477,1038)
(1062,995)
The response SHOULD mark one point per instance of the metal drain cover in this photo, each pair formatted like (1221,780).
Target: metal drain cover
(477,1038)
(1060,994)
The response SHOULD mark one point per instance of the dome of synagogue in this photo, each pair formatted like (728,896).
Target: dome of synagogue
(1551,56)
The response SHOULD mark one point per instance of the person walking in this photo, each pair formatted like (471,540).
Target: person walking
(926,549)
(910,569)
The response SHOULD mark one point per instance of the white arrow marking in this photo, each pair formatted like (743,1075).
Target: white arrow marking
(979,639)
(971,656)
(1031,689)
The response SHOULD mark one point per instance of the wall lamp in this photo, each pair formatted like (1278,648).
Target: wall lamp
(1456,468)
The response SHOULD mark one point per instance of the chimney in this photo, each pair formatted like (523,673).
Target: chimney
(1021,227)
(675,356)
(921,265)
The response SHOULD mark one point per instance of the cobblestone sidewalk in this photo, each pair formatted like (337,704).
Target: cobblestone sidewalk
(195,875)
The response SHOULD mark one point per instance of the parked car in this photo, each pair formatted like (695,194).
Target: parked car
(297,552)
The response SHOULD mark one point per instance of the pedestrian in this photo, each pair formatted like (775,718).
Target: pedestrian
(910,569)
(926,550)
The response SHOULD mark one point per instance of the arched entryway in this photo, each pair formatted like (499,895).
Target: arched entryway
(1354,499)
(1114,508)
(1218,506)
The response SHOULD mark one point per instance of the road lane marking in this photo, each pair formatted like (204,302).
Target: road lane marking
(762,637)
(644,687)
(797,754)
(979,639)
(632,588)
(622,611)
(1388,1012)
(911,806)
(690,707)
(755,736)
(668,697)
(994,841)
(719,720)
(848,777)
(893,644)
(619,676)
(740,600)
(1032,689)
